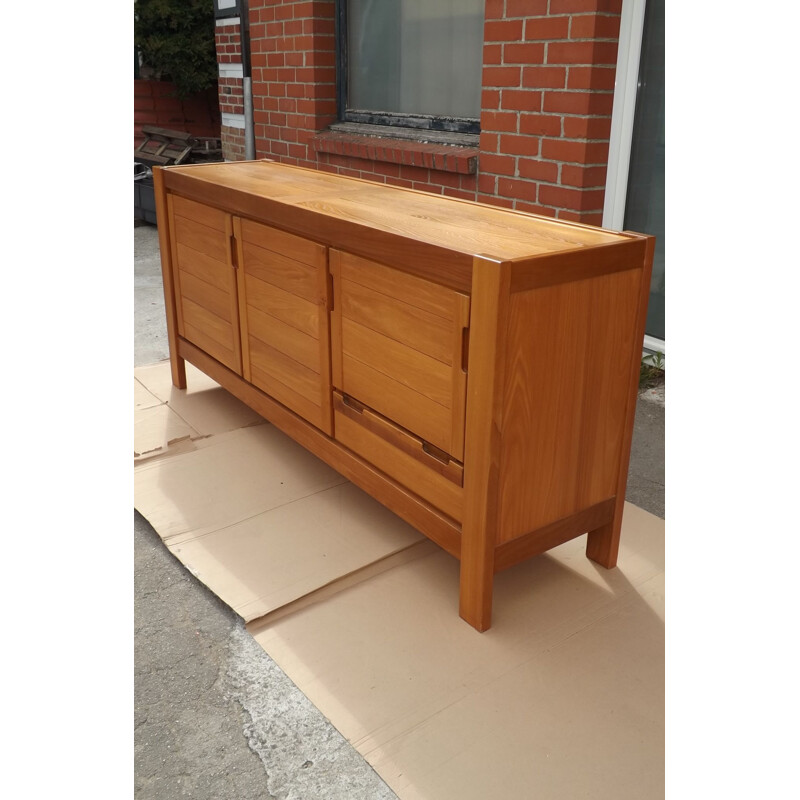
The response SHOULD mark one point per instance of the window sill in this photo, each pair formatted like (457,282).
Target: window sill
(433,155)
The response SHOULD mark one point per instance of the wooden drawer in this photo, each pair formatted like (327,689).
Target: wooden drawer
(431,474)
(205,279)
(283,299)
(398,346)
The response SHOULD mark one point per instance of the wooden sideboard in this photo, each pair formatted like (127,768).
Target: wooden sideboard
(474,369)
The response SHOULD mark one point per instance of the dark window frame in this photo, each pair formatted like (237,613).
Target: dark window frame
(421,122)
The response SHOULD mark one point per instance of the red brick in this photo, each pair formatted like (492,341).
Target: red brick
(493,200)
(487,183)
(521,100)
(519,190)
(585,6)
(544,77)
(578,102)
(546,29)
(499,165)
(583,177)
(399,182)
(590,78)
(412,173)
(501,76)
(433,188)
(594,26)
(538,170)
(519,145)
(587,127)
(284,11)
(499,121)
(489,142)
(540,124)
(305,9)
(589,53)
(575,199)
(490,99)
(526,8)
(459,194)
(575,152)
(494,9)
(276,60)
(493,54)
(502,31)
(532,53)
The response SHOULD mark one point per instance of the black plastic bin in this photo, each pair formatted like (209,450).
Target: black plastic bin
(144,198)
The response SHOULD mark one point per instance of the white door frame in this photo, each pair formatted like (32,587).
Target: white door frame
(622,116)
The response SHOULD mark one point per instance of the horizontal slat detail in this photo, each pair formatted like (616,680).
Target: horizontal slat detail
(301,380)
(206,215)
(199,337)
(413,411)
(288,308)
(202,239)
(429,296)
(204,267)
(298,346)
(212,298)
(392,317)
(434,488)
(416,371)
(285,273)
(287,244)
(217,329)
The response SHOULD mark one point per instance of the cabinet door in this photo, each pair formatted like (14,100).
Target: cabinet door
(399,347)
(205,279)
(284,319)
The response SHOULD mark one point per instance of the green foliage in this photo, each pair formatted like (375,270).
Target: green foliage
(652,370)
(176,40)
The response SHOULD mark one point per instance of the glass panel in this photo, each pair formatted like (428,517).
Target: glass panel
(644,207)
(415,56)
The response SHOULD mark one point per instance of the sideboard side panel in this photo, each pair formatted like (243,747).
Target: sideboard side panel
(570,352)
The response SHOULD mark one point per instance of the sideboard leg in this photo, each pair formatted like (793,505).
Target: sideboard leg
(477,584)
(602,544)
(178,366)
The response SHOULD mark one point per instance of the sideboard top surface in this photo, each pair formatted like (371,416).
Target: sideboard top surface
(461,226)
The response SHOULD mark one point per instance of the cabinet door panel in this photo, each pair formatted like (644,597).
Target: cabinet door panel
(205,279)
(397,347)
(284,319)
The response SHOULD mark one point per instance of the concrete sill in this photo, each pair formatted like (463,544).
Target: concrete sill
(441,157)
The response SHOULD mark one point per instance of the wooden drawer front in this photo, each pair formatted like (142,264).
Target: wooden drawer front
(205,279)
(398,346)
(284,325)
(436,478)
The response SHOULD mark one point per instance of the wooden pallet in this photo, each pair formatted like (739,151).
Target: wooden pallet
(163,147)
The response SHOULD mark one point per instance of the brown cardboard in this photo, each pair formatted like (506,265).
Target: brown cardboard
(204,404)
(562,697)
(253,515)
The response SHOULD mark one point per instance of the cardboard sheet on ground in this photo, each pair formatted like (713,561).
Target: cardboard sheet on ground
(563,697)
(254,516)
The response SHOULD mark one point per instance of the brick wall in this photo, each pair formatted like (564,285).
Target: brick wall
(294,76)
(547,94)
(157,103)
(548,84)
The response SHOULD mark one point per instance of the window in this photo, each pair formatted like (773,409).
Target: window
(411,63)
